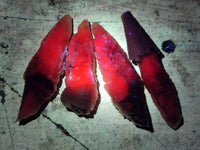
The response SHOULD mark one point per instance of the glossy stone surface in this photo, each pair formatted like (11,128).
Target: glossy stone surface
(122,82)
(23,25)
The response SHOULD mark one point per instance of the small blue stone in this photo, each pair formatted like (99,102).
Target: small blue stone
(168,46)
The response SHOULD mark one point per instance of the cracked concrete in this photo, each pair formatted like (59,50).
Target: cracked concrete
(65,132)
(23,24)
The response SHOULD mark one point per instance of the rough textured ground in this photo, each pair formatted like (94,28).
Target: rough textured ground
(23,24)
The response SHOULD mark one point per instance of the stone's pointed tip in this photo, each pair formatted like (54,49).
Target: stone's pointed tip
(67,16)
(127,17)
(94,24)
(126,13)
(151,130)
(22,116)
(97,30)
(177,125)
(85,20)
(18,119)
(148,127)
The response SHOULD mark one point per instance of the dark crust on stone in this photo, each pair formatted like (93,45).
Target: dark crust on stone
(139,42)
(83,111)
(139,112)
(48,84)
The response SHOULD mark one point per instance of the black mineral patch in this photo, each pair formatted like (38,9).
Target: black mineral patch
(4,45)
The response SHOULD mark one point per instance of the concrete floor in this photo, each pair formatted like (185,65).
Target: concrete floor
(23,24)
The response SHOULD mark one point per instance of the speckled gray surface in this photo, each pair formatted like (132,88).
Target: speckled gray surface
(23,24)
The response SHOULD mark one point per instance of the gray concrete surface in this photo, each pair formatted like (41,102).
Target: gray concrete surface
(23,24)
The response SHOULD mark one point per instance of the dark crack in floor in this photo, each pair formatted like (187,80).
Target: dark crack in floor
(59,16)
(2,93)
(9,129)
(64,131)
(26,18)
(3,83)
(163,146)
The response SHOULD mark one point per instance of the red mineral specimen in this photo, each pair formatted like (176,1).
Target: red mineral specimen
(81,92)
(162,89)
(143,51)
(122,82)
(45,70)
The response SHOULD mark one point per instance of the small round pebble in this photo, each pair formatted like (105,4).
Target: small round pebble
(168,46)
